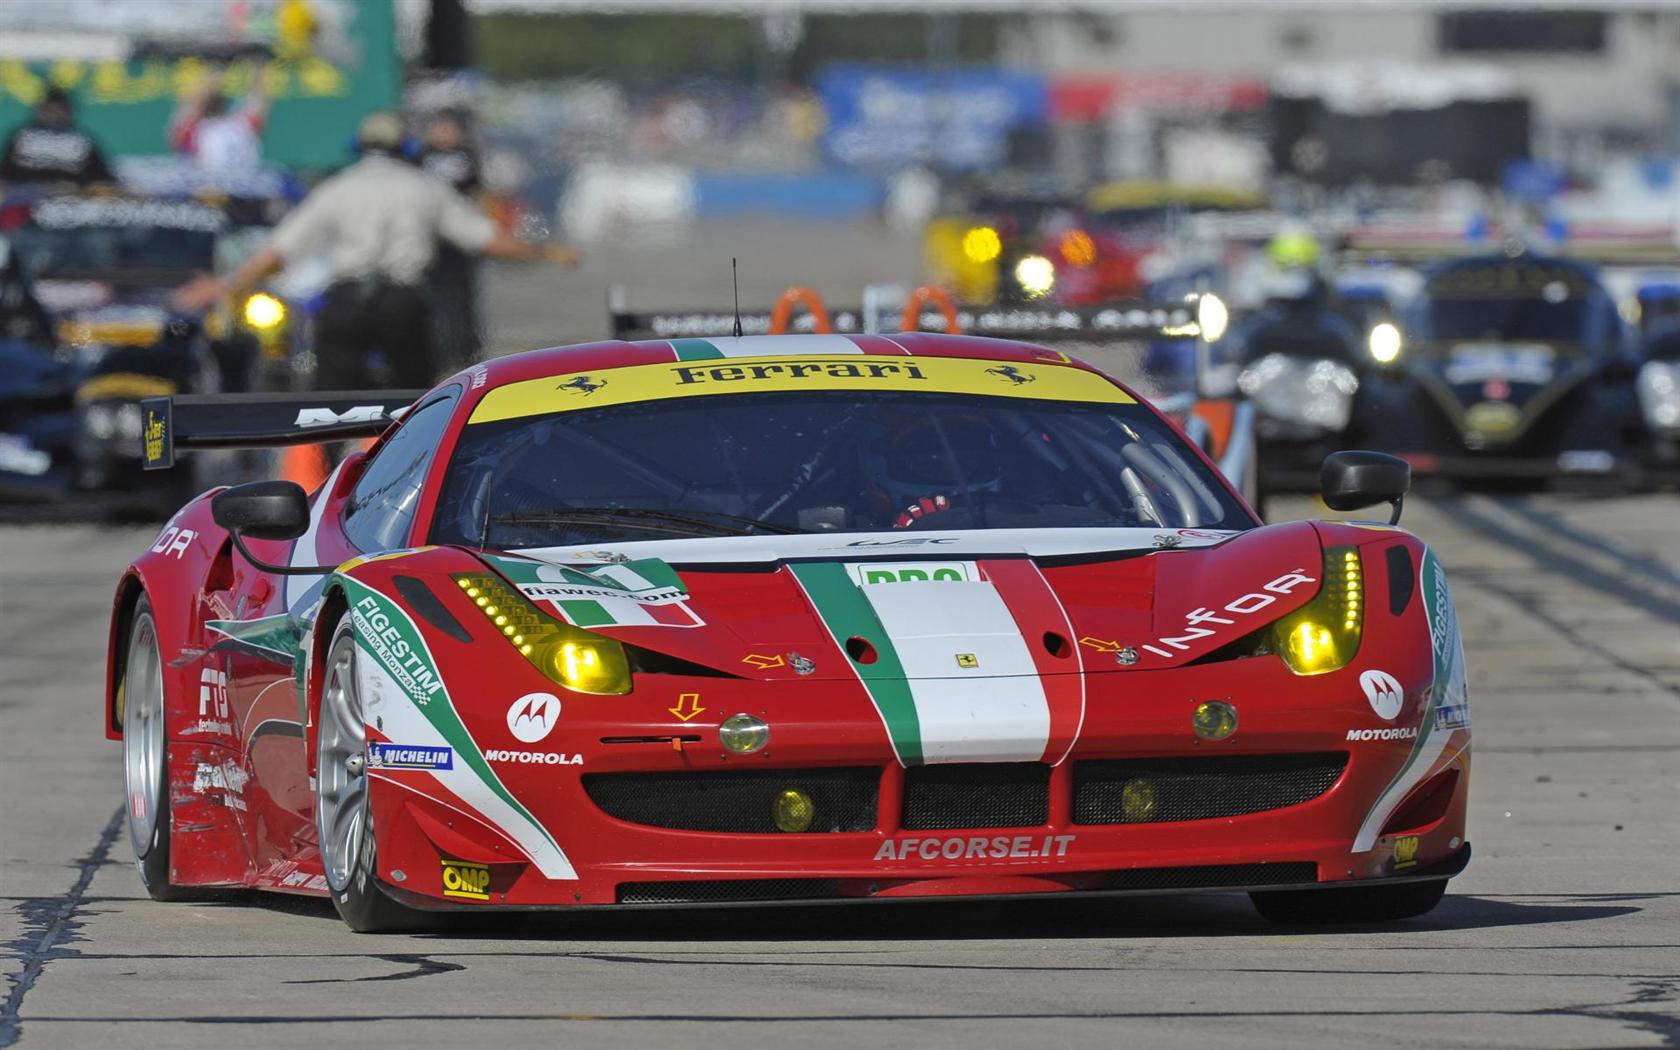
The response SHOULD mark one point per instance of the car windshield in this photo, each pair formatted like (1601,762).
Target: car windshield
(96,250)
(823,461)
(1508,301)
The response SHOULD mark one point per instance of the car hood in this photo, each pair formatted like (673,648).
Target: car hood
(930,604)
(1493,390)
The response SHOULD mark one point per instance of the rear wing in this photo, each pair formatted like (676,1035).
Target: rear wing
(265,420)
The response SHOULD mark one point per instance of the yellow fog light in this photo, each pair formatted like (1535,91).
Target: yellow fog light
(743,734)
(793,811)
(1214,720)
(264,311)
(982,244)
(1137,800)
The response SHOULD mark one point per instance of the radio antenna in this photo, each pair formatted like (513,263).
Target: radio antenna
(735,279)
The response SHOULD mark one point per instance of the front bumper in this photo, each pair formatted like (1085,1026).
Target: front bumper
(422,838)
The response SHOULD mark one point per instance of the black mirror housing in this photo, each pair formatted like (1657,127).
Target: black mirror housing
(1355,479)
(263,510)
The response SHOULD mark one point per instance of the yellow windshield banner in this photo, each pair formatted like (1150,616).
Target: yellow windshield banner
(773,375)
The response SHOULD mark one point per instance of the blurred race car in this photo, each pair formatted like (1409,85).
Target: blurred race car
(779,618)
(102,268)
(1506,365)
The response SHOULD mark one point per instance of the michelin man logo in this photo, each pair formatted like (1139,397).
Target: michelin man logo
(1384,692)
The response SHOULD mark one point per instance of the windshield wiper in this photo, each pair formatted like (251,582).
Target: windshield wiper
(650,518)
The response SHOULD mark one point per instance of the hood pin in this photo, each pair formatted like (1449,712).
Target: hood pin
(801,664)
(1127,656)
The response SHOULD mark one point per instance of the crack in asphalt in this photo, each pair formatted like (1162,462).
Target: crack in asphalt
(51,922)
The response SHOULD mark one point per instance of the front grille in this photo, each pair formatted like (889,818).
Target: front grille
(976,795)
(725,891)
(741,801)
(1286,873)
(1159,790)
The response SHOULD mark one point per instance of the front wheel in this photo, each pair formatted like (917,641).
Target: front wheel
(343,818)
(1354,904)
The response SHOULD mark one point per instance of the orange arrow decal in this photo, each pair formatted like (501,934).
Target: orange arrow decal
(763,662)
(1101,646)
(688,705)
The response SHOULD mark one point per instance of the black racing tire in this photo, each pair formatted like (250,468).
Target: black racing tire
(1356,904)
(141,698)
(361,901)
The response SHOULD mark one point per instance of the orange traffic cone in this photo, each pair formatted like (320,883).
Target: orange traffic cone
(306,465)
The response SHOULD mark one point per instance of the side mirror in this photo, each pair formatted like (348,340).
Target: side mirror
(265,510)
(1354,479)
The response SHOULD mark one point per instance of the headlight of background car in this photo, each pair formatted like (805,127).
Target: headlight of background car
(1317,393)
(1323,635)
(569,656)
(1383,342)
(1659,394)
(1036,275)
(109,420)
(1212,317)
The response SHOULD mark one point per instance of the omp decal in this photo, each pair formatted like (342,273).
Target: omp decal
(406,695)
(645,592)
(823,371)
(461,879)
(977,847)
(1437,743)
(762,346)
(928,640)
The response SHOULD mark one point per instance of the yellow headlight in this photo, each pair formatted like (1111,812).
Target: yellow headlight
(569,656)
(264,311)
(1324,634)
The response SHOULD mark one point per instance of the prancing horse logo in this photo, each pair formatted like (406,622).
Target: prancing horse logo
(1011,373)
(583,385)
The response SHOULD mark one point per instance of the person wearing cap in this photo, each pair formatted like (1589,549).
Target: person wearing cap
(51,148)
(378,222)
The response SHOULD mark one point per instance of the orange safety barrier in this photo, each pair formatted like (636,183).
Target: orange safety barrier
(911,319)
(1219,416)
(799,295)
(306,465)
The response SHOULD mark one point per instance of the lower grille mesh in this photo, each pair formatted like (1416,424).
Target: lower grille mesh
(737,801)
(725,891)
(976,795)
(1159,790)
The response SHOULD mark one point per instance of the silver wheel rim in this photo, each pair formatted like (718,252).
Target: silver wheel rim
(143,743)
(341,798)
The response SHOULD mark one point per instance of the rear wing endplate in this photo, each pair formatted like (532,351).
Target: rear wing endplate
(265,420)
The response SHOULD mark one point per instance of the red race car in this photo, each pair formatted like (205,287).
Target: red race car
(779,618)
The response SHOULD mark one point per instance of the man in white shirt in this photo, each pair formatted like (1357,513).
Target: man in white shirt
(378,222)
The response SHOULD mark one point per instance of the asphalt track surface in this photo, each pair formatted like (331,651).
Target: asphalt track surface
(1564,932)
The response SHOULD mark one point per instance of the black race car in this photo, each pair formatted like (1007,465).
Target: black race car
(95,273)
(1506,366)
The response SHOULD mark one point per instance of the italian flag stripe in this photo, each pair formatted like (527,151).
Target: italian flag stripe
(875,344)
(847,613)
(695,349)
(586,613)
(1037,610)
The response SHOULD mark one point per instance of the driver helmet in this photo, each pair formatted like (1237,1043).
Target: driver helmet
(912,466)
